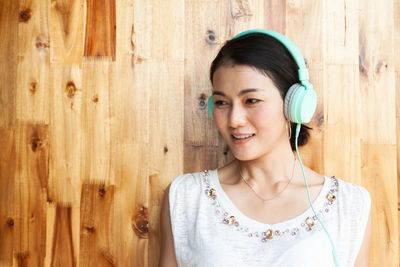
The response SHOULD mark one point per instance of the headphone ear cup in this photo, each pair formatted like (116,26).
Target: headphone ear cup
(300,103)
(287,110)
(210,105)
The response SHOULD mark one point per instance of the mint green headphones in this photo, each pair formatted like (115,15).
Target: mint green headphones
(301,99)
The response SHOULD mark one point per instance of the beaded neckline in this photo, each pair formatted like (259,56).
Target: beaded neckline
(303,223)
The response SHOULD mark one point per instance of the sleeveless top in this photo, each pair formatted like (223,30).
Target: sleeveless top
(208,230)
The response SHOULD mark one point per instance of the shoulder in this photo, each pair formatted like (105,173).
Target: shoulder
(185,189)
(186,181)
(184,203)
(358,195)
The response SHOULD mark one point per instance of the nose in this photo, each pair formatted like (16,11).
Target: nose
(237,116)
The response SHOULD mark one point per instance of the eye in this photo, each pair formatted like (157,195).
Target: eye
(219,103)
(252,101)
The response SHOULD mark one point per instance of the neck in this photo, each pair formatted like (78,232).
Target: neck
(269,171)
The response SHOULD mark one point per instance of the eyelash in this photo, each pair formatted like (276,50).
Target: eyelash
(252,101)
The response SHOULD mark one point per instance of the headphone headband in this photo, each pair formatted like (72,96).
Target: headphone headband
(291,47)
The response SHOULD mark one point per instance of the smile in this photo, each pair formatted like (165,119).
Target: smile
(241,139)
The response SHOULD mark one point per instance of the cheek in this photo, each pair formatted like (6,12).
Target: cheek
(270,117)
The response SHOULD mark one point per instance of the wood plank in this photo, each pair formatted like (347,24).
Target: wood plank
(237,16)
(341,128)
(130,167)
(100,33)
(396,47)
(377,80)
(96,84)
(8,159)
(62,234)
(167,29)
(30,193)
(275,15)
(202,37)
(130,135)
(33,64)
(66,135)
(8,59)
(166,149)
(340,32)
(376,167)
(67,24)
(63,253)
(378,133)
(97,236)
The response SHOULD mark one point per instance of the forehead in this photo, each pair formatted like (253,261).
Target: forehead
(238,77)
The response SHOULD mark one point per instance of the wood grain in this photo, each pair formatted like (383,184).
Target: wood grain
(31,174)
(66,135)
(8,217)
(97,236)
(202,37)
(63,247)
(378,96)
(103,103)
(33,63)
(8,61)
(396,39)
(100,28)
(67,25)
(96,81)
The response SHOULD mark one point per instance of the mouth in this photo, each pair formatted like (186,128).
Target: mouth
(242,138)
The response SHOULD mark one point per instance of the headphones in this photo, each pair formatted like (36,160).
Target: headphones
(301,99)
(299,106)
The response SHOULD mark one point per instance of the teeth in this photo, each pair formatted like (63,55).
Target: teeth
(243,136)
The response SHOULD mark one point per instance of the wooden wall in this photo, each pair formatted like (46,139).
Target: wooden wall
(103,103)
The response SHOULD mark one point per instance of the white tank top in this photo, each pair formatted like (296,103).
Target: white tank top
(208,229)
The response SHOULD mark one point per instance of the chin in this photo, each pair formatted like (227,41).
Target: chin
(245,156)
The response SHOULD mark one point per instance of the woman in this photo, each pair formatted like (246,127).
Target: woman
(254,211)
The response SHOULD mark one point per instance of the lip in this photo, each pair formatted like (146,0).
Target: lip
(241,141)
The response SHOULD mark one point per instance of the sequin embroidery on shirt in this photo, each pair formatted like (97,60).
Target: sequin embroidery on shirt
(307,224)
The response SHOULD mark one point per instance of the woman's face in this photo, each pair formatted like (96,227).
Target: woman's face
(248,111)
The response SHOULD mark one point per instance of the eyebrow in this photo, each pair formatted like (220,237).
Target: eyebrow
(242,92)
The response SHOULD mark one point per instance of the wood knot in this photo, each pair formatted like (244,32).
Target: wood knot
(226,151)
(362,65)
(90,229)
(10,221)
(165,149)
(379,65)
(95,98)
(139,60)
(211,37)
(202,101)
(70,89)
(36,143)
(102,191)
(22,258)
(33,87)
(319,119)
(41,43)
(25,15)
(140,223)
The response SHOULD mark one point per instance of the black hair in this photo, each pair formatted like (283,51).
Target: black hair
(268,56)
